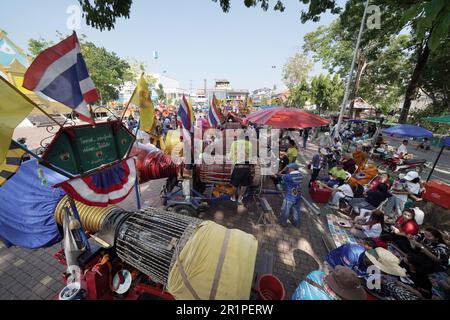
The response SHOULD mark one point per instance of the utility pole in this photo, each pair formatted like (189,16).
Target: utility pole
(349,79)
(206,94)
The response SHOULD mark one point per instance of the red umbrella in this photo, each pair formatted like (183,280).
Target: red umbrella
(287,118)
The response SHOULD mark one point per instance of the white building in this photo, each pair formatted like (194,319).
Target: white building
(171,86)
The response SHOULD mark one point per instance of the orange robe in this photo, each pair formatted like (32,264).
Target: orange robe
(360,158)
(370,173)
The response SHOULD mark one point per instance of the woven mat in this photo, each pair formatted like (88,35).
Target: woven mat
(339,234)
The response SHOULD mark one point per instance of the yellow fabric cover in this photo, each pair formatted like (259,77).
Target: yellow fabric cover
(200,257)
(172,140)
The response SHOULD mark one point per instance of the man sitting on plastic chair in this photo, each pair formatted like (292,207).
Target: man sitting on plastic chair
(371,201)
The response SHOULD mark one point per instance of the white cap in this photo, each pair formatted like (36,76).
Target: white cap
(412,175)
(419,216)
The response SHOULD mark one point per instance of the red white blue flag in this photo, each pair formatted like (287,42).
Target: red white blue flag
(185,115)
(109,186)
(213,114)
(60,73)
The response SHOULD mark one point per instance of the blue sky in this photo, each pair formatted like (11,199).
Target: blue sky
(195,39)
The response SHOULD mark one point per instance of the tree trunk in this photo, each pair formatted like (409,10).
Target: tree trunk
(362,64)
(413,85)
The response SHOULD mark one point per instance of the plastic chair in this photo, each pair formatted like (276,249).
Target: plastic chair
(365,212)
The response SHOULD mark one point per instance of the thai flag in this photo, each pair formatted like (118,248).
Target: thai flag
(213,114)
(60,73)
(185,115)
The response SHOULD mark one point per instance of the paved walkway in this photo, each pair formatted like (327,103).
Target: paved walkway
(35,274)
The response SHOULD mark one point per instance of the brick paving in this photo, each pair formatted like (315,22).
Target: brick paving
(36,275)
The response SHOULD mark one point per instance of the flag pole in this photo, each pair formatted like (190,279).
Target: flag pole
(42,161)
(128,104)
(31,101)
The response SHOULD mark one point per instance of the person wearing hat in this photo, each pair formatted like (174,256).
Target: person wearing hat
(292,182)
(324,140)
(408,186)
(316,164)
(392,270)
(340,284)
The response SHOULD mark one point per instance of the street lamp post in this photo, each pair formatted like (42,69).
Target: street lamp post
(349,79)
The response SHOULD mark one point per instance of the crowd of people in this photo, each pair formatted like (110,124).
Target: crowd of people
(383,216)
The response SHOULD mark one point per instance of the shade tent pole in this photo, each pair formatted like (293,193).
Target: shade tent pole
(42,161)
(436,162)
(350,75)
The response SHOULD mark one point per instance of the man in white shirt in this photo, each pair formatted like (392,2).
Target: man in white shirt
(344,190)
(402,151)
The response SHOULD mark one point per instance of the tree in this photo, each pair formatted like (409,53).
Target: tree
(102,14)
(296,70)
(326,92)
(161,94)
(137,68)
(107,70)
(36,46)
(299,94)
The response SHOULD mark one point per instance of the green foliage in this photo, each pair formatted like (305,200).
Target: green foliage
(102,14)
(326,92)
(327,46)
(36,46)
(107,70)
(300,93)
(296,70)
(161,94)
(429,19)
(279,6)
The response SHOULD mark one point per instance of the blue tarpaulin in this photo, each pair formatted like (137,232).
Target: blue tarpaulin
(27,208)
(447,142)
(408,130)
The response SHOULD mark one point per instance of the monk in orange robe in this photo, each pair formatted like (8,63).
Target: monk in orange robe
(360,158)
(365,176)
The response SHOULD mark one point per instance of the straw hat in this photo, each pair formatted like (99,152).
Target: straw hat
(386,261)
(346,284)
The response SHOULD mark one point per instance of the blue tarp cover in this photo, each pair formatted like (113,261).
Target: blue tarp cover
(447,142)
(408,130)
(27,208)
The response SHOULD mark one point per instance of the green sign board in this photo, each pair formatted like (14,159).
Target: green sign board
(81,149)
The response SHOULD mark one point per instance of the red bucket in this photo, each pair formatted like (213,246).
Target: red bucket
(270,288)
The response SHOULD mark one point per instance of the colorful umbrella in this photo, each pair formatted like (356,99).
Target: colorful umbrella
(287,118)
(408,130)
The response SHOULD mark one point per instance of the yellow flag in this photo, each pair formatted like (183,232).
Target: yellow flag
(141,98)
(191,110)
(14,107)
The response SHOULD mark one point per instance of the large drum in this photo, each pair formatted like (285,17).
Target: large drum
(221,174)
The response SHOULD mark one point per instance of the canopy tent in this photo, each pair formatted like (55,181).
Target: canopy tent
(287,118)
(408,130)
(443,119)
